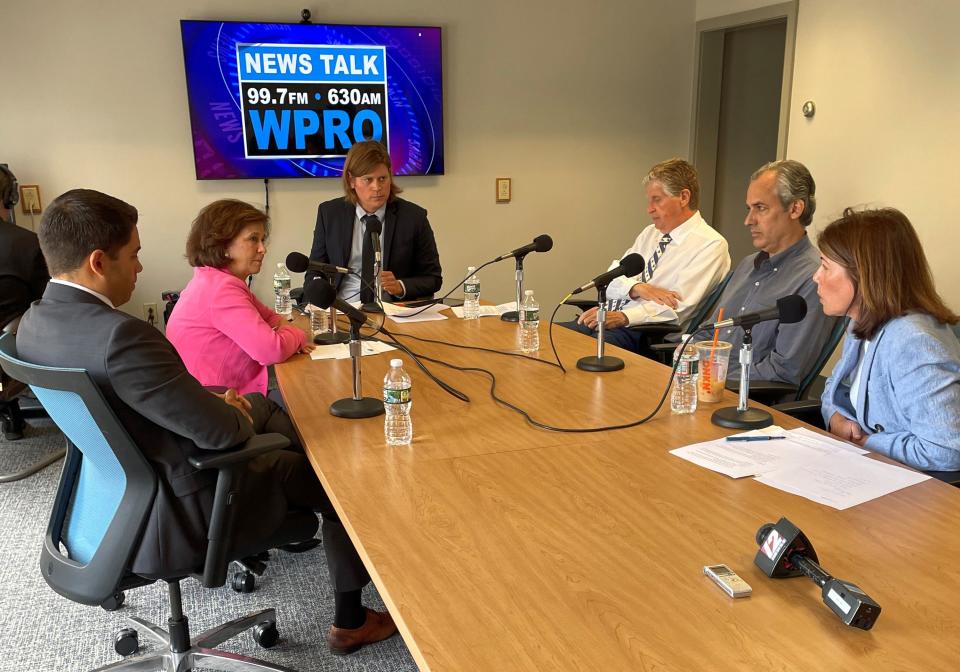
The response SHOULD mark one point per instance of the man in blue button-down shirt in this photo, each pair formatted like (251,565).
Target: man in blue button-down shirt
(781,200)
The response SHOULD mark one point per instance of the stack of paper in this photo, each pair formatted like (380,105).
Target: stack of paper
(804,463)
(342,350)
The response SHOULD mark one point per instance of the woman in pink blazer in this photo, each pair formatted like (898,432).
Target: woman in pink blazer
(225,336)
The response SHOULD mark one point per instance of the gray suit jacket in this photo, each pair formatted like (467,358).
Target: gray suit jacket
(909,393)
(167,413)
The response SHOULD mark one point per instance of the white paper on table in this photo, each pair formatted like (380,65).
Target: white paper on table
(342,350)
(418,314)
(485,311)
(841,479)
(510,306)
(738,459)
(825,444)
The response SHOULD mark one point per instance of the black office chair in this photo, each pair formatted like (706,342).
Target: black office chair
(101,507)
(771,392)
(656,332)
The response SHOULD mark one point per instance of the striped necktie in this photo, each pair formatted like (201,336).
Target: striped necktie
(617,304)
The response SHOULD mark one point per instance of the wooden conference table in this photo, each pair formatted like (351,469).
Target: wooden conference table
(498,546)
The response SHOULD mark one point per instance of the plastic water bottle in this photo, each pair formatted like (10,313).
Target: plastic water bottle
(319,319)
(529,323)
(471,295)
(397,425)
(683,397)
(281,290)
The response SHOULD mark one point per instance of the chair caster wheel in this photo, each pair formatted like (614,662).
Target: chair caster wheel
(243,582)
(113,602)
(126,642)
(266,634)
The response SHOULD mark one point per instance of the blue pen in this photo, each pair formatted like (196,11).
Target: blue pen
(754,438)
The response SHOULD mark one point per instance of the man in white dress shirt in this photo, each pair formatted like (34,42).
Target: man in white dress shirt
(684,259)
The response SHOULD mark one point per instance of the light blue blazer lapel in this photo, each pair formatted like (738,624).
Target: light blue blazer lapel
(868,359)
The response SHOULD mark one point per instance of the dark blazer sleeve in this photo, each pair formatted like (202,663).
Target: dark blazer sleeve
(414,258)
(148,375)
(319,250)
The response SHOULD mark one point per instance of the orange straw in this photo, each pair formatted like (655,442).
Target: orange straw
(716,335)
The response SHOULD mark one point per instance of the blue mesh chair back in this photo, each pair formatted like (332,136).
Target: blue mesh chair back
(839,329)
(106,488)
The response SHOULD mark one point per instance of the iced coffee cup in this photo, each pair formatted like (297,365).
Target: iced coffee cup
(714,361)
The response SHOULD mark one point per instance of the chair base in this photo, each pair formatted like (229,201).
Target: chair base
(200,654)
(34,468)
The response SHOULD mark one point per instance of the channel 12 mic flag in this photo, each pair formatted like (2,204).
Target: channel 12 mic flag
(289,100)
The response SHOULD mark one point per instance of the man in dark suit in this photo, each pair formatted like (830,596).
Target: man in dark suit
(91,244)
(23,275)
(411,263)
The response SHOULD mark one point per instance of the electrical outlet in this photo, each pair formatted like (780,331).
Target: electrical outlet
(30,199)
(151,315)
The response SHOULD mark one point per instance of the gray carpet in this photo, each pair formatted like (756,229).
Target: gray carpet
(42,631)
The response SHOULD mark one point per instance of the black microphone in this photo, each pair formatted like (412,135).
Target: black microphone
(374,227)
(542,243)
(630,265)
(321,294)
(789,309)
(299,263)
(785,551)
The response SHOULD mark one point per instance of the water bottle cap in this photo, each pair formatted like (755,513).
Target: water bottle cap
(280,265)
(396,363)
(471,269)
(528,292)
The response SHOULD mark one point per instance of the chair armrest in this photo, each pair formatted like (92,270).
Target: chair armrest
(258,445)
(582,304)
(297,295)
(766,391)
(807,410)
(663,352)
(951,477)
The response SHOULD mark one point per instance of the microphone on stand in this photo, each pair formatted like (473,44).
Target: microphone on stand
(300,263)
(542,243)
(789,309)
(630,265)
(374,228)
(785,552)
(320,293)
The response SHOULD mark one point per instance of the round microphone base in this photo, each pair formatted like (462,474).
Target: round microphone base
(510,316)
(330,338)
(367,407)
(600,364)
(752,418)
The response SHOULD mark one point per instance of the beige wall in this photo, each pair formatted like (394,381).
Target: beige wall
(572,100)
(885,77)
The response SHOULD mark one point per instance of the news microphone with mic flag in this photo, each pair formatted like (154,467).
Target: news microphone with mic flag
(542,243)
(789,309)
(785,552)
(300,263)
(320,293)
(630,265)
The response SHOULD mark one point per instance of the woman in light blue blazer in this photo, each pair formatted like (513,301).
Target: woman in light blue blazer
(896,388)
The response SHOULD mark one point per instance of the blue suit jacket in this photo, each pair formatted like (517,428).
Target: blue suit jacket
(909,394)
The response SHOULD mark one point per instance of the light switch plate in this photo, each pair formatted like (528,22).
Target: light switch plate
(503,190)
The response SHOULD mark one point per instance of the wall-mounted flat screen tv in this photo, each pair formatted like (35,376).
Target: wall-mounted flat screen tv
(272,100)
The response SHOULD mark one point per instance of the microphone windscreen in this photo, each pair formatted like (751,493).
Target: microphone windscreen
(374,226)
(763,532)
(632,264)
(320,293)
(297,262)
(543,243)
(792,308)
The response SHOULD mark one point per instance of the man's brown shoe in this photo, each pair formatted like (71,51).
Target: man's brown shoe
(378,626)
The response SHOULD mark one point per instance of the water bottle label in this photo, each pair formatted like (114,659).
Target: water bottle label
(280,284)
(401,396)
(471,288)
(531,315)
